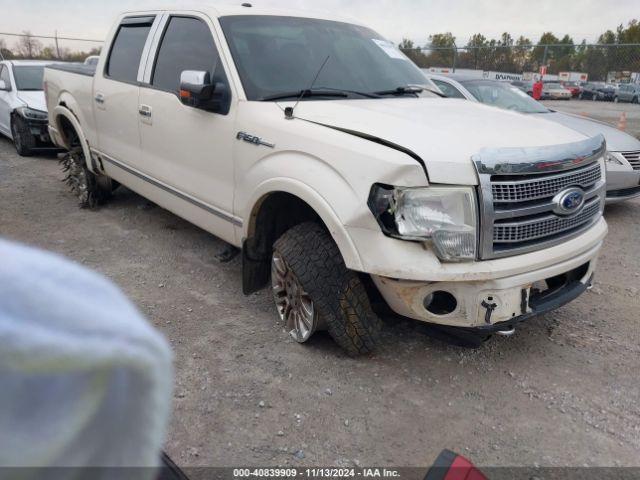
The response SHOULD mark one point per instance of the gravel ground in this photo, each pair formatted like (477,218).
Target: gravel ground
(562,392)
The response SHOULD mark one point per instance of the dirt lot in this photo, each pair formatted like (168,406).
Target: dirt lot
(563,391)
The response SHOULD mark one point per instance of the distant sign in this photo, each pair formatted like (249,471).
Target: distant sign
(573,76)
(501,76)
(543,70)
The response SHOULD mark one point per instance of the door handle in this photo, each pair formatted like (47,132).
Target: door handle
(99,98)
(145,111)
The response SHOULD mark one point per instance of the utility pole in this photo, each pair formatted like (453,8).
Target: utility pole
(57,46)
(455,56)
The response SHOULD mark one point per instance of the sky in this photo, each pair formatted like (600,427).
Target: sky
(395,19)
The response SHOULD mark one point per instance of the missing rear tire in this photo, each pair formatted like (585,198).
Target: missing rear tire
(91,190)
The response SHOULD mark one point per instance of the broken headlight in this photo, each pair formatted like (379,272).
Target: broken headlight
(444,216)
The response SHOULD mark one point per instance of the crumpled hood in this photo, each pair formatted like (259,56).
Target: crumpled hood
(33,100)
(444,133)
(617,141)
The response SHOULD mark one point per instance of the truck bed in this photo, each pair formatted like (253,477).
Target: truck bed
(79,68)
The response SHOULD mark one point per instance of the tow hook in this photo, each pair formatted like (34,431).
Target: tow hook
(490,307)
(506,333)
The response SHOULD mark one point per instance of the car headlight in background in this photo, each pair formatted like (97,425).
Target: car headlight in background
(612,159)
(444,216)
(32,114)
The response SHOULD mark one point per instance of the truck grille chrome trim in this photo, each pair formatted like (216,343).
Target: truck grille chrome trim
(548,186)
(633,158)
(542,227)
(519,191)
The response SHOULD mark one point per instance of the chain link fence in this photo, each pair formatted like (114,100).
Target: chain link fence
(615,62)
(601,62)
(26,46)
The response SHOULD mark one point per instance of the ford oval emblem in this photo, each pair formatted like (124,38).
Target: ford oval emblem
(568,201)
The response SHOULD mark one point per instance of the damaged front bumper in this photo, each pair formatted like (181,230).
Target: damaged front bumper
(39,129)
(491,305)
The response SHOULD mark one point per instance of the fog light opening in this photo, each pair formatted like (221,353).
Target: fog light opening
(440,303)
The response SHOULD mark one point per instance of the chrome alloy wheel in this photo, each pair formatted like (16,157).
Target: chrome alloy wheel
(293,303)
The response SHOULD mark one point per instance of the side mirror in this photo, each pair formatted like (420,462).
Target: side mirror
(4,87)
(198,91)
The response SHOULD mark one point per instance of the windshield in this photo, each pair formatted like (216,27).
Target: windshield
(29,77)
(555,86)
(276,55)
(503,95)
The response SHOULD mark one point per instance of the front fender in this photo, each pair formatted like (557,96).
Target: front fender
(316,201)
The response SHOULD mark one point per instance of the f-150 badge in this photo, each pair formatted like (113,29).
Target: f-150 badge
(253,139)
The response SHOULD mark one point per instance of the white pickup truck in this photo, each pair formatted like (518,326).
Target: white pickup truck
(316,147)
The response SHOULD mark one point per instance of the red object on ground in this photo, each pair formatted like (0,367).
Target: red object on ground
(451,466)
(537,90)
(463,469)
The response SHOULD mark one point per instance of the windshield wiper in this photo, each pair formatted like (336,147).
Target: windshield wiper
(409,90)
(306,93)
(354,92)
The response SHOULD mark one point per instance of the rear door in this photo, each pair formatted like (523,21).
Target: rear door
(185,148)
(116,90)
(5,103)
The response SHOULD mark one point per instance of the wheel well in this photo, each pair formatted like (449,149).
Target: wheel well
(68,132)
(272,216)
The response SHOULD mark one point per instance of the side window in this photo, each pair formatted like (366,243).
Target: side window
(187,44)
(126,50)
(4,75)
(448,89)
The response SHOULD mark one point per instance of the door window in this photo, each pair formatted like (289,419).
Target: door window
(449,90)
(4,75)
(187,44)
(126,51)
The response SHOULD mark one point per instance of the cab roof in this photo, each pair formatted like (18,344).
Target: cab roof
(224,10)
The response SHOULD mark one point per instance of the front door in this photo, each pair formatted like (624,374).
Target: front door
(188,149)
(5,103)
(116,91)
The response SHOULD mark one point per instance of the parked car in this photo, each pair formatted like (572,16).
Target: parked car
(526,87)
(573,87)
(23,112)
(623,157)
(555,91)
(92,60)
(628,92)
(597,91)
(314,145)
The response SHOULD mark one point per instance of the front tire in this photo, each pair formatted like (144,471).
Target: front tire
(22,138)
(308,270)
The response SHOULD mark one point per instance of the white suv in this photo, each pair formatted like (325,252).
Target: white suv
(23,110)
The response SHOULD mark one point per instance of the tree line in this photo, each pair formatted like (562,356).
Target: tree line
(612,52)
(30,47)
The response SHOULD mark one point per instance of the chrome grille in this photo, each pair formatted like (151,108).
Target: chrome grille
(543,227)
(548,186)
(633,158)
(519,191)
